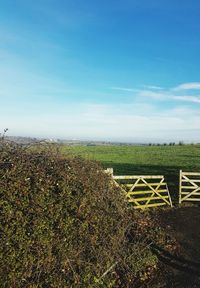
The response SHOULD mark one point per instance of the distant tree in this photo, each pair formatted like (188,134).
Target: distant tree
(180,143)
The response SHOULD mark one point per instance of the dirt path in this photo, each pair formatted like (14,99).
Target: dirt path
(184,225)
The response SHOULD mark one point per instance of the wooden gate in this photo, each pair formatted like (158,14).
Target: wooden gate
(189,186)
(144,191)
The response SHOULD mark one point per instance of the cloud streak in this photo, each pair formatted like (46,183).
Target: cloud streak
(169,97)
(152,87)
(188,86)
(124,89)
(163,94)
(172,94)
(193,99)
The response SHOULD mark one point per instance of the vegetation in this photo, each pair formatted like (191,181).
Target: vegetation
(144,160)
(64,224)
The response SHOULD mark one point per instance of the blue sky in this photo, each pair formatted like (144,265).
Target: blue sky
(121,70)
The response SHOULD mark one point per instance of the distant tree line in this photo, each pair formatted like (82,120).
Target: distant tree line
(180,143)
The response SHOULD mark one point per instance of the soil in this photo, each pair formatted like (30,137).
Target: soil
(183,269)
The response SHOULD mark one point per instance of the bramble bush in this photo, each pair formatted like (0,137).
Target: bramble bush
(64,224)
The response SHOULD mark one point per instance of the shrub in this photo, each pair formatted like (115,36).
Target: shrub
(64,224)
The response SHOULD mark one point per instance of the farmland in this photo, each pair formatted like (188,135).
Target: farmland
(143,160)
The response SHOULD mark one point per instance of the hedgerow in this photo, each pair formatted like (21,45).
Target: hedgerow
(64,224)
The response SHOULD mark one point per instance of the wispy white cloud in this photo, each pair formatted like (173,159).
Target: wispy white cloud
(187,98)
(152,87)
(160,93)
(169,95)
(188,86)
(124,89)
(154,94)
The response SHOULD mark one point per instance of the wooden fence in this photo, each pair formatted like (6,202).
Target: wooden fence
(143,191)
(189,186)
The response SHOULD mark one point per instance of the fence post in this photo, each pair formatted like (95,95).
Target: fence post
(109,171)
(180,186)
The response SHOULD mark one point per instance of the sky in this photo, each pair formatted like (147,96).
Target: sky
(115,70)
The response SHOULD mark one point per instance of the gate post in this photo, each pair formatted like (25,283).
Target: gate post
(180,186)
(109,171)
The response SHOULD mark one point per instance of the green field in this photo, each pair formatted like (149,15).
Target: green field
(144,160)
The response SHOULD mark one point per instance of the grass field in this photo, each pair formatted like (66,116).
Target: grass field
(144,160)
